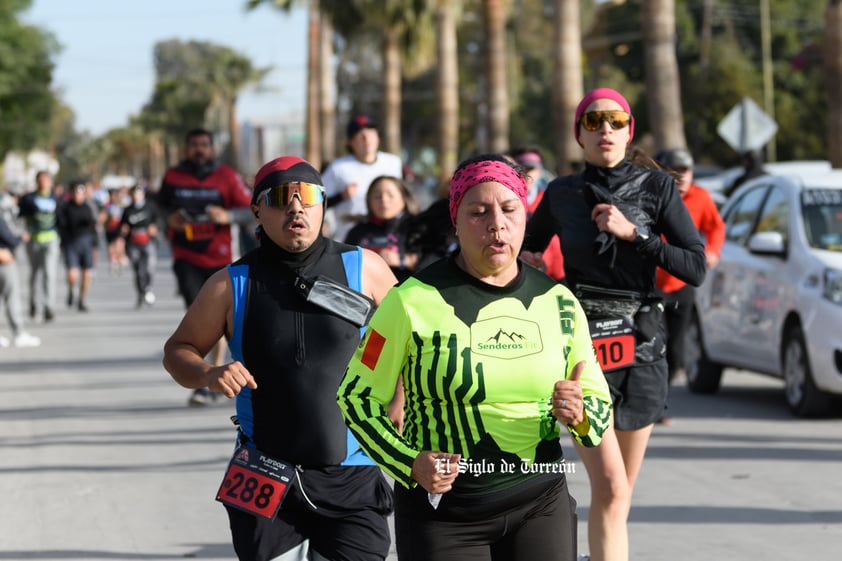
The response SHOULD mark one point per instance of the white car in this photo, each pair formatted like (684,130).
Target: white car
(774,303)
(719,183)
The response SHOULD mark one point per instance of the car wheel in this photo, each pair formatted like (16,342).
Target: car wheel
(802,395)
(703,375)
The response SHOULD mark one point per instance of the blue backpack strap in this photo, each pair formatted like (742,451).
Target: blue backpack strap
(239,284)
(353,262)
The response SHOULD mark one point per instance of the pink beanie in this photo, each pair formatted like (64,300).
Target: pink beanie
(603,93)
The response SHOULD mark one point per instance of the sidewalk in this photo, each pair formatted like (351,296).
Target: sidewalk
(99,453)
(101,459)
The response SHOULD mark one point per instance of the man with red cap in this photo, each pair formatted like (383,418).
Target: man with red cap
(347,179)
(293,311)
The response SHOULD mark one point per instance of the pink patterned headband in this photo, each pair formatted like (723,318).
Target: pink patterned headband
(482,172)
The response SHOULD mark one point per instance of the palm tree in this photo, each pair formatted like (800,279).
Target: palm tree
(662,79)
(127,149)
(833,79)
(494,17)
(230,72)
(408,41)
(567,81)
(312,142)
(320,103)
(447,88)
(407,48)
(327,92)
(391,90)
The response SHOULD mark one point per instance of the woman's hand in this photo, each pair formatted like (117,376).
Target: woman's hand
(568,400)
(610,219)
(436,471)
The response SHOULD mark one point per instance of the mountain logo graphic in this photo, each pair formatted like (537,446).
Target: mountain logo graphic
(513,336)
(505,337)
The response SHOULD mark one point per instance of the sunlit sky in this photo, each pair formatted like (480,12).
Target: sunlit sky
(106,73)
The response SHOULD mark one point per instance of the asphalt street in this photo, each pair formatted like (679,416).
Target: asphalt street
(101,459)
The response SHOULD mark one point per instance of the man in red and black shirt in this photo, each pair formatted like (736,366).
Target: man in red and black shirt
(195,197)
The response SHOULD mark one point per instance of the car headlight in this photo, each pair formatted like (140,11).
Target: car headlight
(832,289)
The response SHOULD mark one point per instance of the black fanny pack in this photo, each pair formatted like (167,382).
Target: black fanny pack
(599,302)
(337,299)
(645,313)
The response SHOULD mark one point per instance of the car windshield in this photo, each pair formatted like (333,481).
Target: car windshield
(822,213)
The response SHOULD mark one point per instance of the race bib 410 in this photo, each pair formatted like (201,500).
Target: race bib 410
(613,341)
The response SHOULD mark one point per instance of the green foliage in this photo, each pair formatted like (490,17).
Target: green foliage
(285,5)
(192,76)
(614,57)
(175,108)
(734,70)
(26,70)
(68,143)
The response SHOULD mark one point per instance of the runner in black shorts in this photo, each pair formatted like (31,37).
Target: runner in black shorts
(617,222)
(637,393)
(288,357)
(77,227)
(190,278)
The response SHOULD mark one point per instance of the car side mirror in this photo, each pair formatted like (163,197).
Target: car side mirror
(767,243)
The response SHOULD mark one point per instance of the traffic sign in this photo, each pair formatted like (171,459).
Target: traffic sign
(747,127)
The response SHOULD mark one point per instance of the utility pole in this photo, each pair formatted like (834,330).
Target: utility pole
(768,84)
(704,65)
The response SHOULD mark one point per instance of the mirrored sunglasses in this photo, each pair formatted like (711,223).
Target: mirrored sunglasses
(309,194)
(592,120)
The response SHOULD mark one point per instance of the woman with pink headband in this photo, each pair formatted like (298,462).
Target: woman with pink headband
(617,223)
(496,362)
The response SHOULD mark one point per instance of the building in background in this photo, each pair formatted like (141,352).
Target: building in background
(264,140)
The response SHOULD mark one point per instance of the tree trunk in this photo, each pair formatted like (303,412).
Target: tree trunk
(391,93)
(833,79)
(704,68)
(662,79)
(327,89)
(447,90)
(174,153)
(495,60)
(312,149)
(567,82)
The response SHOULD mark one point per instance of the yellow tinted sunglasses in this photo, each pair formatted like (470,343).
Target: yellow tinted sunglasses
(592,120)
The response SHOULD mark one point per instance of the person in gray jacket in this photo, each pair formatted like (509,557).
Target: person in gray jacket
(10,288)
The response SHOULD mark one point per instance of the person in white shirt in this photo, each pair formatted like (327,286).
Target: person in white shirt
(347,179)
